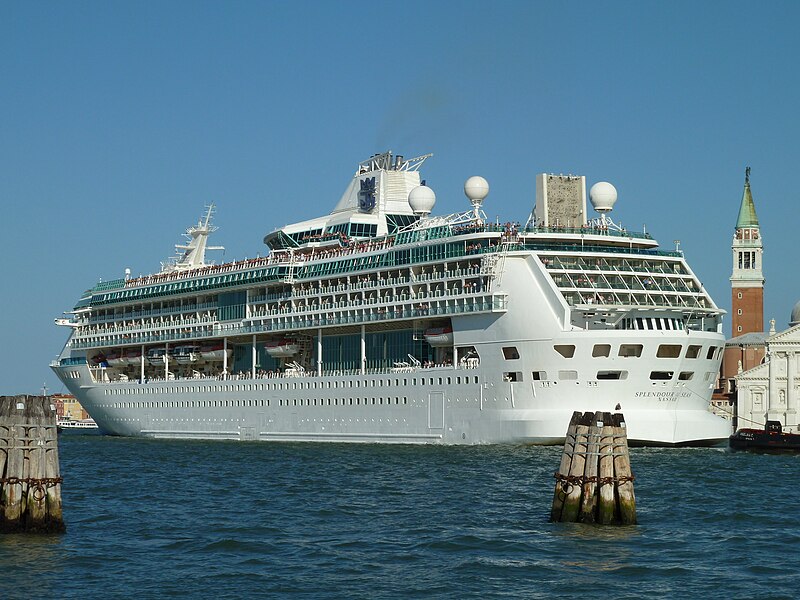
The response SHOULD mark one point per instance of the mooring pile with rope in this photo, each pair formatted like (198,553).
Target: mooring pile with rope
(30,484)
(594,483)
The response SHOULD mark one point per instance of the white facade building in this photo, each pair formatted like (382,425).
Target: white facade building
(769,391)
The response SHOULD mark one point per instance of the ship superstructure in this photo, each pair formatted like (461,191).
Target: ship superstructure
(382,323)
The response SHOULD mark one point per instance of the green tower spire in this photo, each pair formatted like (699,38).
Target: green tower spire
(747,212)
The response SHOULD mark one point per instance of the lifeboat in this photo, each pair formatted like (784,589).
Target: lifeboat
(282,348)
(156,356)
(115,358)
(185,355)
(132,357)
(439,336)
(214,351)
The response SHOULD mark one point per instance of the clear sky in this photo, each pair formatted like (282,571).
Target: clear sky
(119,121)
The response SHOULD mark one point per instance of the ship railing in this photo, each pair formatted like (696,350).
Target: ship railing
(145,339)
(469,289)
(371,246)
(579,231)
(143,327)
(103,375)
(186,308)
(419,306)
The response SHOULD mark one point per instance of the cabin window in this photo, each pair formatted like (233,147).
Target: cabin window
(686,375)
(693,351)
(601,350)
(510,353)
(538,376)
(512,376)
(660,375)
(710,353)
(669,351)
(604,375)
(565,350)
(568,375)
(630,350)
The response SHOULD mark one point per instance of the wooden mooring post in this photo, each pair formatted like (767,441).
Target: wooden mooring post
(30,483)
(594,483)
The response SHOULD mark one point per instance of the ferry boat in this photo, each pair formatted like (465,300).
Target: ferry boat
(85,425)
(382,323)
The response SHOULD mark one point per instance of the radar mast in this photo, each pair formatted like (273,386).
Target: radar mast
(194,251)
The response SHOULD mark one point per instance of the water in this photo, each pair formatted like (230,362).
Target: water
(161,519)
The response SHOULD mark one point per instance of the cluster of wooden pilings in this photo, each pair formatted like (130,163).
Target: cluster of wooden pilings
(594,483)
(30,484)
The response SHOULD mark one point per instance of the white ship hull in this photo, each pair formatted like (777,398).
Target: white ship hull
(449,405)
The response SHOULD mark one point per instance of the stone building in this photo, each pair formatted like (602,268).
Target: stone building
(769,391)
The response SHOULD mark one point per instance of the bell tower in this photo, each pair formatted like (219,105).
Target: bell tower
(747,278)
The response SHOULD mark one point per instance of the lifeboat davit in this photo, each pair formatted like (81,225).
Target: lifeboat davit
(439,336)
(282,348)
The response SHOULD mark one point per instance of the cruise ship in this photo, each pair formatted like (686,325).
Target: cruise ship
(380,322)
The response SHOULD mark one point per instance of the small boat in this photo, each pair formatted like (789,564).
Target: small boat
(439,336)
(770,439)
(282,348)
(76,425)
(185,355)
(132,357)
(116,358)
(155,356)
(214,352)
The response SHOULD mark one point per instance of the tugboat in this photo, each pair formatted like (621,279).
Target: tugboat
(769,439)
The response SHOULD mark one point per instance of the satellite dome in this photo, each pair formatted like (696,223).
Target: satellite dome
(421,199)
(476,188)
(795,318)
(603,196)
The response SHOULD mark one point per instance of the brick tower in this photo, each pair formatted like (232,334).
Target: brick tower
(747,278)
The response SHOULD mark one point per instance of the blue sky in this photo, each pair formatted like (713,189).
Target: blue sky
(119,121)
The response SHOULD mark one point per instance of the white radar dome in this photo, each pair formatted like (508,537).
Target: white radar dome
(476,188)
(421,199)
(603,196)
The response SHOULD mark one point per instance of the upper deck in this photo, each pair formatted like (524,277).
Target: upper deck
(335,272)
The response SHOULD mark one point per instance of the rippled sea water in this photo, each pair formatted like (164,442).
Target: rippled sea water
(162,519)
